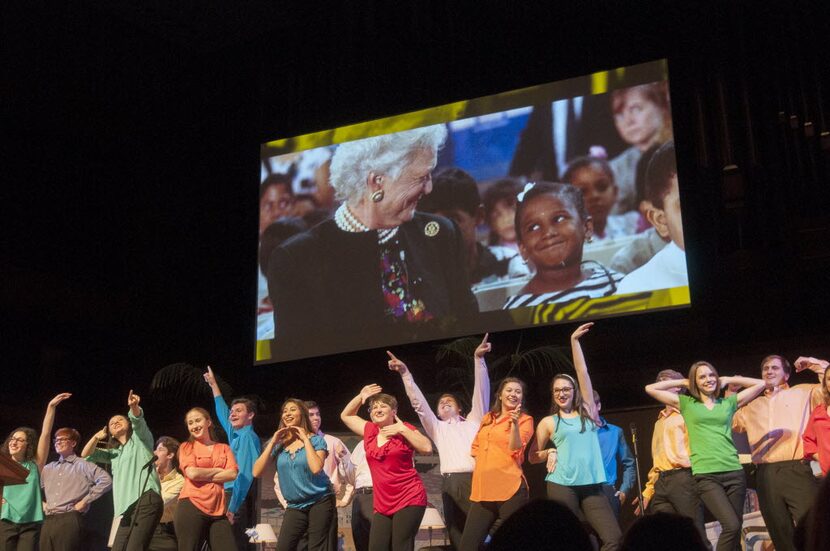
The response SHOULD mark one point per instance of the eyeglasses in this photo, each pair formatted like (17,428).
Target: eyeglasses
(62,439)
(566,390)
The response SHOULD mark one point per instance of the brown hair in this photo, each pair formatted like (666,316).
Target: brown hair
(577,405)
(113,442)
(495,411)
(387,399)
(655,92)
(693,388)
(31,443)
(788,369)
(70,433)
(448,395)
(206,415)
(172,446)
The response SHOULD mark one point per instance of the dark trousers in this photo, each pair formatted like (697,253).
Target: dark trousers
(455,496)
(242,519)
(139,523)
(396,532)
(319,522)
(676,492)
(484,515)
(590,504)
(164,538)
(723,494)
(192,526)
(611,493)
(786,490)
(61,532)
(362,510)
(19,537)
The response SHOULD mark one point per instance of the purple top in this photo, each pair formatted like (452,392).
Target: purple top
(68,480)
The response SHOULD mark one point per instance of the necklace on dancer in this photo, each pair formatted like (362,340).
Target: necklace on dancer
(347,221)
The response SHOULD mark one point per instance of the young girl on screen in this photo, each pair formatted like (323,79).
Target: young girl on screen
(552,226)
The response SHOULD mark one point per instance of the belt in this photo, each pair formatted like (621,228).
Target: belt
(675,471)
(448,475)
(364,490)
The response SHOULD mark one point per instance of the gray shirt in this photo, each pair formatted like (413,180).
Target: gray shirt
(68,480)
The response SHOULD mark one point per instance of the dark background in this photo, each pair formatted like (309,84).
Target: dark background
(129,167)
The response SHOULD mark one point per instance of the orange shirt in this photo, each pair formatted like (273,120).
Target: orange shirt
(775,421)
(669,447)
(208,497)
(498,471)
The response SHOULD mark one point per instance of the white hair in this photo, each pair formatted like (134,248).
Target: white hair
(388,154)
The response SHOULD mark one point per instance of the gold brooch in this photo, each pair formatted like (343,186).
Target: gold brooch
(432,229)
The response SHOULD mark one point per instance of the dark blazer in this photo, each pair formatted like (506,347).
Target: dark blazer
(325,285)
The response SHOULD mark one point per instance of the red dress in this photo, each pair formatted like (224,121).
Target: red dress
(395,482)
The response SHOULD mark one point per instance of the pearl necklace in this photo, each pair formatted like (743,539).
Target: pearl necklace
(348,222)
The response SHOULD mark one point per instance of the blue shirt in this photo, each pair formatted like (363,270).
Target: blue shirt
(300,488)
(579,460)
(246,447)
(613,447)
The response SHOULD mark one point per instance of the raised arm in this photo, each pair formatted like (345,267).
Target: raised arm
(481,387)
(46,430)
(417,440)
(581,368)
(219,405)
(92,444)
(416,397)
(349,414)
(751,387)
(815,365)
(660,391)
(138,421)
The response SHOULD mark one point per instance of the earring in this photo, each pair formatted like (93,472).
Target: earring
(377,196)
(590,239)
(378,180)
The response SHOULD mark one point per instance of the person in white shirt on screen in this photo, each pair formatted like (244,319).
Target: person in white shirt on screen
(453,435)
(667,268)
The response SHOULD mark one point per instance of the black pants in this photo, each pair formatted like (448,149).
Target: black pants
(61,532)
(164,538)
(19,537)
(786,490)
(192,526)
(589,503)
(723,494)
(396,532)
(362,510)
(139,523)
(676,492)
(242,519)
(455,496)
(611,493)
(319,522)
(484,515)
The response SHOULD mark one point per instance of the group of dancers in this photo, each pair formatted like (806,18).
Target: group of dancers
(171,495)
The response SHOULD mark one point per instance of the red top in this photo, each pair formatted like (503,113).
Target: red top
(396,484)
(817,438)
(208,497)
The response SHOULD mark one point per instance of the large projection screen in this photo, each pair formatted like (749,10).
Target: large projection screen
(549,204)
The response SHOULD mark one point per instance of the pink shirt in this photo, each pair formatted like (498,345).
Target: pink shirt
(396,483)
(817,438)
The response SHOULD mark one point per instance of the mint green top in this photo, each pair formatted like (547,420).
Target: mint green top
(128,461)
(23,501)
(710,434)
(579,460)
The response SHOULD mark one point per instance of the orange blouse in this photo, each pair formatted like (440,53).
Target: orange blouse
(498,471)
(208,497)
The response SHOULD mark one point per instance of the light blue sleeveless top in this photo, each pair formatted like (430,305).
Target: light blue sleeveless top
(579,460)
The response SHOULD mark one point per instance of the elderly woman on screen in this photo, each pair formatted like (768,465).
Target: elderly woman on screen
(378,271)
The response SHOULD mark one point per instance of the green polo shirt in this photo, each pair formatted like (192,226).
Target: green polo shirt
(128,461)
(23,501)
(710,434)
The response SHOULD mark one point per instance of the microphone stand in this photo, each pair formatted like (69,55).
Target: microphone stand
(149,468)
(633,428)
